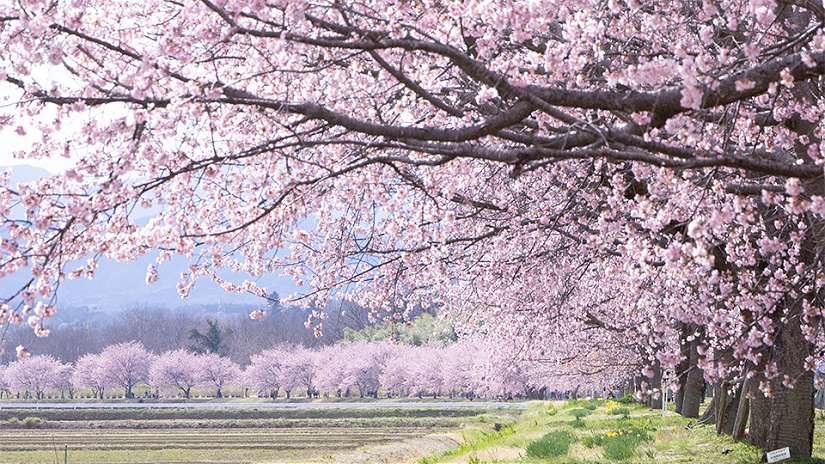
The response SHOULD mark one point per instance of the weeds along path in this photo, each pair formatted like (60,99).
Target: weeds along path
(597,431)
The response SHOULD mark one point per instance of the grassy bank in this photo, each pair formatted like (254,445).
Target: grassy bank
(600,432)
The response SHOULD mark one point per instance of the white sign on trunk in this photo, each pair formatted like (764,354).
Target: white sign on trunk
(779,455)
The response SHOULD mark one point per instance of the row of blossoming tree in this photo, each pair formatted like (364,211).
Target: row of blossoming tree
(361,368)
(565,175)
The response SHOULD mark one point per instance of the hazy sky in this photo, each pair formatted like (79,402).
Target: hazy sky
(11,142)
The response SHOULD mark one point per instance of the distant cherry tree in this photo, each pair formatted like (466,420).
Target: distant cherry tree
(35,375)
(126,365)
(180,369)
(216,372)
(89,372)
(265,371)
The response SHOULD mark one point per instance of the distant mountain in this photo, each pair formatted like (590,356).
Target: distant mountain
(121,285)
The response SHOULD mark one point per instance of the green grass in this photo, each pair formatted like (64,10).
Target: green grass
(551,445)
(579,413)
(624,412)
(645,436)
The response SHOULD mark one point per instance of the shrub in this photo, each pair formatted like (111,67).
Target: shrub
(619,444)
(552,445)
(578,413)
(610,405)
(591,440)
(635,433)
(592,405)
(574,403)
(627,399)
(32,422)
(624,412)
(620,448)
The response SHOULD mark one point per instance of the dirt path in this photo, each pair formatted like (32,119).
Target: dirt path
(405,451)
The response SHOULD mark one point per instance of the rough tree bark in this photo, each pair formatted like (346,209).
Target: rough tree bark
(742,411)
(694,383)
(709,416)
(787,417)
(683,367)
(724,423)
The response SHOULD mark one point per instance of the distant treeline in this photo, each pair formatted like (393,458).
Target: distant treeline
(160,330)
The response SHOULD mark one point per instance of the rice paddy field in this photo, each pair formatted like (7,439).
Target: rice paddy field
(189,435)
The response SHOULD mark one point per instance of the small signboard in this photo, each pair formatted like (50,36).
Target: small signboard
(779,454)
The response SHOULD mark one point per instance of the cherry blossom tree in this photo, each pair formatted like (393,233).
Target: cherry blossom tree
(89,372)
(330,369)
(541,170)
(217,371)
(180,369)
(125,365)
(361,366)
(299,369)
(456,368)
(63,381)
(35,375)
(5,384)
(265,371)
(395,376)
(425,373)
(468,368)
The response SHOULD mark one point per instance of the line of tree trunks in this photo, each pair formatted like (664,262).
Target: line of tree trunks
(786,417)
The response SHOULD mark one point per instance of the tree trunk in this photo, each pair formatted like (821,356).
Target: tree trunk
(655,382)
(721,405)
(726,408)
(741,420)
(683,367)
(694,384)
(786,419)
(709,416)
